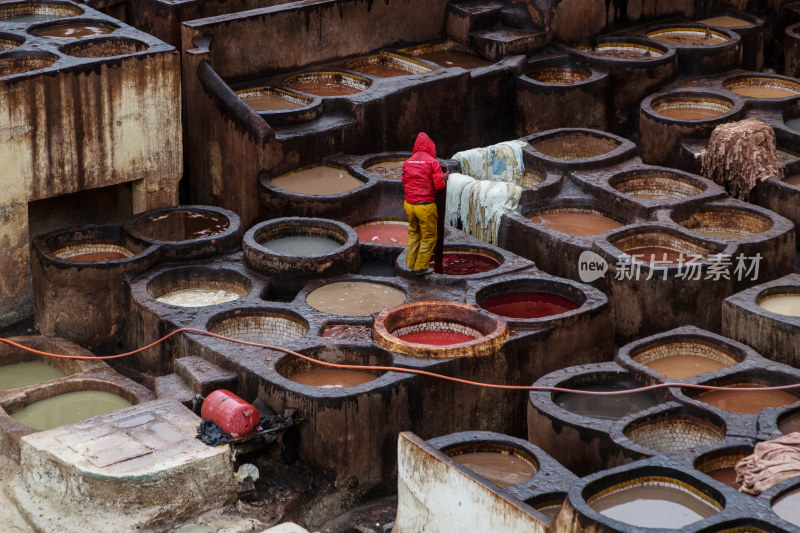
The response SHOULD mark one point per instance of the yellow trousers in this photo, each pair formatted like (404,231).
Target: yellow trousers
(421,234)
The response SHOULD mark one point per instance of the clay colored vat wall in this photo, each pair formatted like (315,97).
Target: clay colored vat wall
(92,126)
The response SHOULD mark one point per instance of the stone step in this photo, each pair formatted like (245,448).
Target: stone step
(204,377)
(172,387)
(500,41)
(467,17)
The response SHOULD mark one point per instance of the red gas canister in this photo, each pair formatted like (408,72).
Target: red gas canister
(231,413)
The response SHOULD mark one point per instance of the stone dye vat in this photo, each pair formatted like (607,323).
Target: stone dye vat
(78,150)
(83,268)
(700,49)
(683,353)
(447,54)
(552,84)
(188,232)
(575,429)
(576,148)
(387,65)
(636,67)
(390,232)
(764,316)
(750,28)
(281,107)
(327,84)
(668,117)
(354,298)
(763,87)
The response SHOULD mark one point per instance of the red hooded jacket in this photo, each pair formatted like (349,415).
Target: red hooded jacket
(422,175)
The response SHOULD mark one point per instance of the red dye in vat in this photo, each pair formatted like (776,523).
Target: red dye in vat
(528,304)
(383,233)
(465,264)
(436,337)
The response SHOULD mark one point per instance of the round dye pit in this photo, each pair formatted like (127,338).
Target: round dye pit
(656,185)
(726,223)
(787,507)
(354,298)
(659,247)
(688,36)
(571,146)
(392,169)
(30,13)
(789,423)
(327,83)
(786,303)
(198,297)
(604,407)
(725,21)
(752,402)
(331,378)
(384,232)
(623,50)
(272,99)
(21,64)
(77,30)
(181,225)
(263,327)
(529,304)
(387,65)
(763,87)
(683,359)
(559,76)
(447,54)
(104,47)
(93,252)
(654,502)
(501,468)
(68,408)
(307,245)
(321,180)
(669,432)
(721,464)
(198,287)
(28,373)
(793,179)
(466,264)
(686,107)
(575,221)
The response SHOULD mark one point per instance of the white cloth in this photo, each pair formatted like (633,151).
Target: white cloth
(478,206)
(499,162)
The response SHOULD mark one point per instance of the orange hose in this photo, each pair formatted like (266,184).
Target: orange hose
(404,370)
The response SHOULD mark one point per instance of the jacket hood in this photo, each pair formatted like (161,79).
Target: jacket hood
(424,144)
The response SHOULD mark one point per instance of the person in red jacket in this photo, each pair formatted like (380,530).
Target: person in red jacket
(422,177)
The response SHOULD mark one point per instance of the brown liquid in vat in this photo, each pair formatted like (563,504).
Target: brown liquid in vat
(576,223)
(688,38)
(658,254)
(747,402)
(387,169)
(794,179)
(331,378)
(762,91)
(74,31)
(725,475)
(653,506)
(681,366)
(354,298)
(689,113)
(318,181)
(451,58)
(97,256)
(382,70)
(322,87)
(725,22)
(502,469)
(268,101)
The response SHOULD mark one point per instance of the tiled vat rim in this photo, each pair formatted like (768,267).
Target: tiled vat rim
(72,250)
(667,347)
(685,101)
(679,30)
(454,327)
(642,49)
(658,481)
(291,96)
(738,82)
(725,459)
(444,46)
(343,78)
(8,44)
(728,219)
(559,75)
(583,209)
(183,284)
(668,432)
(653,238)
(265,328)
(9,10)
(656,183)
(461,449)
(383,221)
(405,63)
(574,145)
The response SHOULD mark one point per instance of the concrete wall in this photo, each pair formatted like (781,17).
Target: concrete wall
(82,128)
